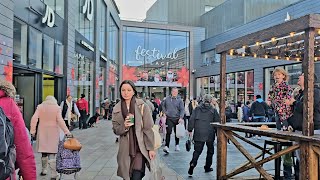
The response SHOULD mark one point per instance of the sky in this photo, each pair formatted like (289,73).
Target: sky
(134,10)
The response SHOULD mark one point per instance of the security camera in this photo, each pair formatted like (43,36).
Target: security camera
(193,71)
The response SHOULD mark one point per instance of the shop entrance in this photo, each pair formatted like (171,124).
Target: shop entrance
(27,94)
(159,92)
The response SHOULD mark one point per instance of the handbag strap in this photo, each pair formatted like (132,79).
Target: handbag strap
(141,111)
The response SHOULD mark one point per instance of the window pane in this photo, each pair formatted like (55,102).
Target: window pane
(35,48)
(20,38)
(58,58)
(133,41)
(102,39)
(113,40)
(60,8)
(48,53)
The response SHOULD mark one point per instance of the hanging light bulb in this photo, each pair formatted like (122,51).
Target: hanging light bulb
(257,43)
(287,58)
(231,52)
(254,55)
(266,56)
(277,57)
(243,54)
(273,39)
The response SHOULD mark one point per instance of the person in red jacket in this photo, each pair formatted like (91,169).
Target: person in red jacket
(83,107)
(25,160)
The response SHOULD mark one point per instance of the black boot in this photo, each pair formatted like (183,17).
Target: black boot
(207,169)
(190,171)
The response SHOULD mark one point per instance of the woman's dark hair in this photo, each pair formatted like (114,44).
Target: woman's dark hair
(131,84)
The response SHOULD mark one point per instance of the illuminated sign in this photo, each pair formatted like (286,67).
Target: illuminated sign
(48,17)
(86,45)
(87,9)
(154,53)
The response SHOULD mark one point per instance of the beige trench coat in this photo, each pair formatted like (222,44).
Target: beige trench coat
(50,122)
(144,135)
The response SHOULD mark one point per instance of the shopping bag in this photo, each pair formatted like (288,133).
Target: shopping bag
(156,169)
(180,131)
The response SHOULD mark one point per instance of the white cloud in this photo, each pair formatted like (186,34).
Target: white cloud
(134,10)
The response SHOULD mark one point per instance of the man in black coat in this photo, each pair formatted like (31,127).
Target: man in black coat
(296,120)
(204,133)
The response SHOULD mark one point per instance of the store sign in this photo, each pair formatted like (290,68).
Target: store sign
(86,45)
(103,57)
(79,56)
(48,17)
(154,53)
(87,9)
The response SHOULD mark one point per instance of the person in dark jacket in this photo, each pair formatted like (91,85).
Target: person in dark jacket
(155,111)
(295,121)
(246,116)
(258,110)
(204,132)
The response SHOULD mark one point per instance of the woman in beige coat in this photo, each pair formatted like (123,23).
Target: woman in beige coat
(136,144)
(50,122)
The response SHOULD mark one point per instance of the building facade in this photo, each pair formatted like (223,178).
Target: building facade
(261,68)
(158,57)
(182,12)
(60,47)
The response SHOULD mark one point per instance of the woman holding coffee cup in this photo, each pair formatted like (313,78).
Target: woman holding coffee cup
(136,144)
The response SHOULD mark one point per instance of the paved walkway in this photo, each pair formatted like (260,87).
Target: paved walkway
(98,155)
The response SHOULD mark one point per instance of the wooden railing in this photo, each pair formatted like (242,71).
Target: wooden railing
(309,146)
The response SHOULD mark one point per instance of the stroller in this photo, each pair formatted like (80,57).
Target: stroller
(68,161)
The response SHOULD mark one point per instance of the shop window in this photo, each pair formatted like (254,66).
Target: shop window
(84,80)
(102,71)
(20,38)
(83,25)
(113,40)
(58,58)
(48,53)
(102,39)
(35,48)
(57,6)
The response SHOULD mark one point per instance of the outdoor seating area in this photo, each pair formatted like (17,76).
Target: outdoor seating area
(296,40)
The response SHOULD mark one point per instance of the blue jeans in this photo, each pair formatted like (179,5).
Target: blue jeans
(259,119)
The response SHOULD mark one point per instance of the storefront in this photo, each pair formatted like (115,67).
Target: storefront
(240,87)
(156,60)
(294,71)
(37,54)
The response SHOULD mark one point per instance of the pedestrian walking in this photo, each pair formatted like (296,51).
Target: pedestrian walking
(203,132)
(83,106)
(187,113)
(48,114)
(136,144)
(24,153)
(149,103)
(155,111)
(173,108)
(258,110)
(106,106)
(278,94)
(69,111)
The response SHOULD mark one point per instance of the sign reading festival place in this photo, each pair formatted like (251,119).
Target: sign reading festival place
(161,59)
(151,67)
